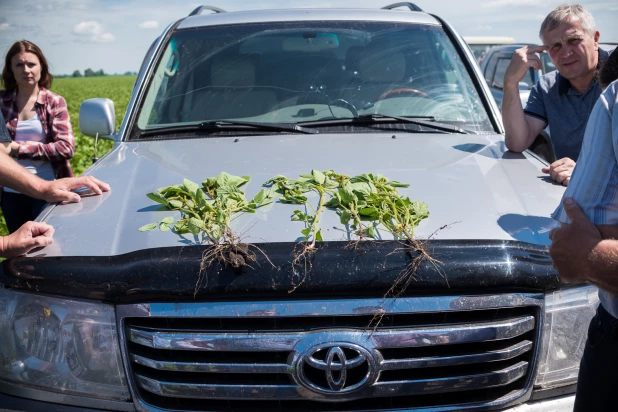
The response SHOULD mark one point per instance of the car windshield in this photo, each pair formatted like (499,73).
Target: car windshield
(287,73)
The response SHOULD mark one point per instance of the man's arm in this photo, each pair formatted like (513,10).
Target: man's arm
(583,252)
(29,236)
(16,177)
(521,130)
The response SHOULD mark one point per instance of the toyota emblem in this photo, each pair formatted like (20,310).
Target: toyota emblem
(335,368)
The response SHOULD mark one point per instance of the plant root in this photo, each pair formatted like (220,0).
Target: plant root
(231,252)
(303,260)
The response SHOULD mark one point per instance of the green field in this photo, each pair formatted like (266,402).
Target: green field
(75,91)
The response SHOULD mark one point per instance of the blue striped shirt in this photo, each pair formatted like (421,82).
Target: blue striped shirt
(594,183)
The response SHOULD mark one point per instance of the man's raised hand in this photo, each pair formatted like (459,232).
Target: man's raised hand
(522,60)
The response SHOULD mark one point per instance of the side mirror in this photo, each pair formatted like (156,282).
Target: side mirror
(97,118)
(523,86)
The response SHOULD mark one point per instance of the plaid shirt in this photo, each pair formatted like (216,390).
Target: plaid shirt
(52,110)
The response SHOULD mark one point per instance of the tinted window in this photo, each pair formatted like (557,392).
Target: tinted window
(302,71)
(498,79)
(490,68)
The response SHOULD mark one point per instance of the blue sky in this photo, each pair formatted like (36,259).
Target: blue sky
(114,35)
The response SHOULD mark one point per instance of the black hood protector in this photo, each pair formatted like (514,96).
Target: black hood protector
(172,274)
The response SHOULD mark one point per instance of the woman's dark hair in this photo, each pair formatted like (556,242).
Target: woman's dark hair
(609,70)
(8,77)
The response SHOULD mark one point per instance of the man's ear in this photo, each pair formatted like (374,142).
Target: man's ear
(596,37)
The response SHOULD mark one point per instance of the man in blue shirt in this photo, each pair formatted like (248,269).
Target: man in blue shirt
(562,99)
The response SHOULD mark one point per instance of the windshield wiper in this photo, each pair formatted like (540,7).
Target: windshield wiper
(427,121)
(229,124)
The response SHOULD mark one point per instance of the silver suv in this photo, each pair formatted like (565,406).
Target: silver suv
(110,318)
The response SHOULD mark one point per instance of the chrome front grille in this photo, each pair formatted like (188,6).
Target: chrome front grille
(321,355)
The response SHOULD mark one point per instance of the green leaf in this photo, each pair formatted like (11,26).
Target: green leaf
(365,188)
(195,225)
(175,204)
(210,184)
(333,202)
(260,196)
(190,187)
(370,232)
(157,197)
(181,227)
(344,216)
(274,180)
(298,215)
(148,227)
(266,201)
(200,198)
(164,227)
(318,236)
(297,200)
(318,176)
(225,179)
(306,231)
(346,196)
(395,183)
(331,184)
(420,209)
(168,220)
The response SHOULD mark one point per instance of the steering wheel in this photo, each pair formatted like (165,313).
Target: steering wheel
(398,92)
(345,104)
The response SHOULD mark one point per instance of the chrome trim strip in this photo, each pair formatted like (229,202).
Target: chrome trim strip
(329,307)
(453,384)
(446,335)
(213,367)
(237,342)
(289,392)
(438,361)
(380,339)
(198,390)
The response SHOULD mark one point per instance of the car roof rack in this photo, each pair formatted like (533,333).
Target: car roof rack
(411,6)
(200,9)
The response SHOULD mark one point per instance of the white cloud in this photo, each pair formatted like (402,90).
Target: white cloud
(105,38)
(88,27)
(503,3)
(151,24)
(94,31)
(4,26)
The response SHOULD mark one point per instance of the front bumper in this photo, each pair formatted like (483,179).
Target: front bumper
(15,404)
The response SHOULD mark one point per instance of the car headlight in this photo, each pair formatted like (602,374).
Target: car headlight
(60,345)
(567,316)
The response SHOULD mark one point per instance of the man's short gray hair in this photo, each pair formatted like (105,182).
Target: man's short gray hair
(565,13)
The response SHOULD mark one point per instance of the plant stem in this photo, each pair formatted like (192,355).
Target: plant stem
(314,226)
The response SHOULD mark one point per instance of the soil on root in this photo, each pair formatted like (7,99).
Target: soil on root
(228,252)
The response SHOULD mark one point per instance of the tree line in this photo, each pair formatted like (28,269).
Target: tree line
(92,73)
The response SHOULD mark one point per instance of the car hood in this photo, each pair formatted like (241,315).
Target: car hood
(474,187)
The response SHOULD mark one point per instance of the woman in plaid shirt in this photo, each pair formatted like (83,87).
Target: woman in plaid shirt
(39,126)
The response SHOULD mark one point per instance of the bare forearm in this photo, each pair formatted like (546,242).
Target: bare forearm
(604,266)
(514,119)
(16,177)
